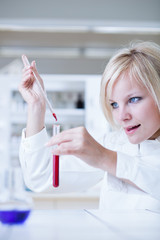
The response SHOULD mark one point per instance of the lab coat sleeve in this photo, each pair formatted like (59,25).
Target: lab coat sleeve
(144,171)
(36,164)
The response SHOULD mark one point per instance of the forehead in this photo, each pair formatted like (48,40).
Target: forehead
(125,84)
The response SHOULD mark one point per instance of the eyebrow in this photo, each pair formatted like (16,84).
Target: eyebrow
(128,96)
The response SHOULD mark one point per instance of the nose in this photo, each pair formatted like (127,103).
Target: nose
(123,114)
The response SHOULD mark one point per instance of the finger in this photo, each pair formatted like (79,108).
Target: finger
(25,61)
(66,148)
(27,75)
(65,136)
(28,84)
(26,69)
(57,140)
(28,80)
(34,68)
(33,65)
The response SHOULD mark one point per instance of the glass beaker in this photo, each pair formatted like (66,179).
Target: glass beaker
(15,204)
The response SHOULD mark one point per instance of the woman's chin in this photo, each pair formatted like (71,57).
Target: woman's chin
(134,140)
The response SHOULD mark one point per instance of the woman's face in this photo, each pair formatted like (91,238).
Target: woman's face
(134,109)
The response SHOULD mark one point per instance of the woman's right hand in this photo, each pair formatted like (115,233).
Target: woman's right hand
(32,94)
(28,88)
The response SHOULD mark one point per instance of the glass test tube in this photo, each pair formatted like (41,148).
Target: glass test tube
(56,130)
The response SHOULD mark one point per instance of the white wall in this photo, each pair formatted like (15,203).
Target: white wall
(13,43)
(140,10)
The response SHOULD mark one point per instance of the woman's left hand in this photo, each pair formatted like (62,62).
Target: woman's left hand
(80,143)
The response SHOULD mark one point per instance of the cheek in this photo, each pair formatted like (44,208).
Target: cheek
(142,113)
(150,114)
(143,110)
(115,115)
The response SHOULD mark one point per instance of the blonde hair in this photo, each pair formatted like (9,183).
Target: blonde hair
(141,61)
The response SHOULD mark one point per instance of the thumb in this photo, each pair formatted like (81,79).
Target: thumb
(33,64)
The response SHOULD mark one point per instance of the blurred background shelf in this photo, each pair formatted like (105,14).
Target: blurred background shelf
(89,199)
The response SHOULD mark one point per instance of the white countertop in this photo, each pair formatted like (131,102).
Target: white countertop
(130,224)
(86,225)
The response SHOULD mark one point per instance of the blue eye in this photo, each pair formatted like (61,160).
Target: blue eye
(134,99)
(114,105)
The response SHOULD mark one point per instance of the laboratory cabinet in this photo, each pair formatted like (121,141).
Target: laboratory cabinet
(74,98)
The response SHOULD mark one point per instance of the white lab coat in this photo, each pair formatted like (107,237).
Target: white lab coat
(139,165)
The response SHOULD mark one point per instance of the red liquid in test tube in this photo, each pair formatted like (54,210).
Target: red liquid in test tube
(56,130)
(55,171)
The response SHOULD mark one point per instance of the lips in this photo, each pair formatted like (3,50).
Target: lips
(132,129)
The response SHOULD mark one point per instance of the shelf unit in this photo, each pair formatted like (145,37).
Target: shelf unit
(63,92)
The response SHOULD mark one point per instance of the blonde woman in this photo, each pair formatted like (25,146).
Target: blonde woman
(128,160)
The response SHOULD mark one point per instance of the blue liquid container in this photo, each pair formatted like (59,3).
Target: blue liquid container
(15,203)
(14,216)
